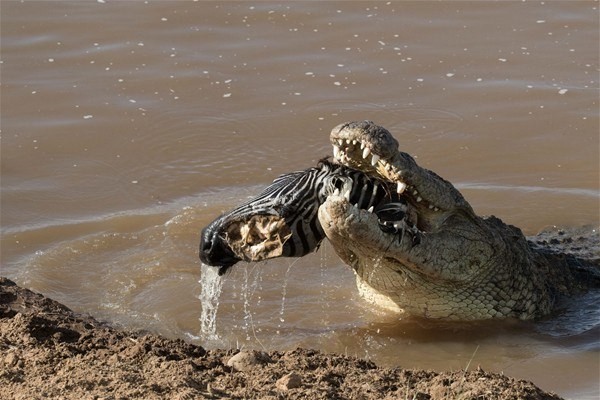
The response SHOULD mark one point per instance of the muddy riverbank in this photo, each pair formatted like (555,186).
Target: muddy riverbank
(48,351)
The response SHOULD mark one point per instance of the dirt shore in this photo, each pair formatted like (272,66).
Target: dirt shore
(48,351)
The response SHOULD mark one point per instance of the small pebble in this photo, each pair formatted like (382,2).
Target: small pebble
(245,360)
(289,381)
(11,359)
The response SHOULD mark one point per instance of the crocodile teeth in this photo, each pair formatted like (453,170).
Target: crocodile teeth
(336,192)
(362,145)
(347,194)
(354,141)
(419,199)
(341,142)
(366,152)
(370,209)
(415,192)
(336,151)
(401,187)
(375,159)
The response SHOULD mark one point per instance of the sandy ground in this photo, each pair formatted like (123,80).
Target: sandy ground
(47,351)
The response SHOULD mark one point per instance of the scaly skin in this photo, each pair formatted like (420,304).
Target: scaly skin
(448,263)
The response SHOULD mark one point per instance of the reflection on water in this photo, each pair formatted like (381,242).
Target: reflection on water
(123,136)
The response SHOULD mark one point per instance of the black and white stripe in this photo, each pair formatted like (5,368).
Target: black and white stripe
(297,196)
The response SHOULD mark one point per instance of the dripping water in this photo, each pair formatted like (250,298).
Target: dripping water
(283,294)
(211,285)
(248,293)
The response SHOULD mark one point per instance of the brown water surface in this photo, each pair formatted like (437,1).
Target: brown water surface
(128,126)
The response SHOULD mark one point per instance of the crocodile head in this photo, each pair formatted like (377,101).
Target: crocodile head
(445,261)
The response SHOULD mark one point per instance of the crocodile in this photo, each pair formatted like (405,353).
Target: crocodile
(420,249)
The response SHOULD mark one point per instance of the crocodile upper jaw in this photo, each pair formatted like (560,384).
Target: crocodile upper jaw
(371,149)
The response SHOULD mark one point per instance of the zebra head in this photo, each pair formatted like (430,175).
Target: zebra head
(283,220)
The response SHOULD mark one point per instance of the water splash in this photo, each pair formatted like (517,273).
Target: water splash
(211,286)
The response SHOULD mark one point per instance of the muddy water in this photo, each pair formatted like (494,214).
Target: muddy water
(128,126)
